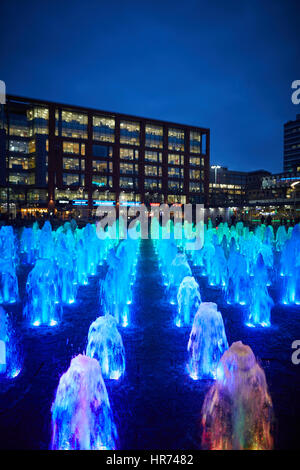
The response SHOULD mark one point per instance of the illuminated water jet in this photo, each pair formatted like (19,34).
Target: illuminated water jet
(188,300)
(81,414)
(237,412)
(105,344)
(207,342)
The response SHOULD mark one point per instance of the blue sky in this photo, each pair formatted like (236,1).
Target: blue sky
(224,65)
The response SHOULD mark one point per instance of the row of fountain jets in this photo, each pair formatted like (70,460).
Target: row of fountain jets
(237,411)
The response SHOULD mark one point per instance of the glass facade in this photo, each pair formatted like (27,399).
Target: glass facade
(195,142)
(129,133)
(129,168)
(128,182)
(38,117)
(103,128)
(176,139)
(74,148)
(129,154)
(104,153)
(154,136)
(151,156)
(71,124)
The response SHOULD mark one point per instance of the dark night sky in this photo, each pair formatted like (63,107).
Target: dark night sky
(227,65)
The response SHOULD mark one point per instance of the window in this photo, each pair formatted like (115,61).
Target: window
(68,194)
(175,159)
(70,124)
(19,125)
(102,166)
(175,172)
(176,139)
(195,187)
(71,147)
(103,129)
(71,163)
(102,151)
(32,147)
(104,180)
(151,156)
(195,174)
(129,133)
(21,163)
(37,195)
(195,142)
(18,146)
(129,168)
(38,118)
(153,170)
(129,154)
(175,185)
(22,178)
(196,161)
(151,184)
(70,179)
(154,136)
(127,182)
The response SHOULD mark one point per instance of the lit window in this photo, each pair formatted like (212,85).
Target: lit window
(104,129)
(154,136)
(195,142)
(176,139)
(129,133)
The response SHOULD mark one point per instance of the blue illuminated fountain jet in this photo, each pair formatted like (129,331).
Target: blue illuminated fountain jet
(9,290)
(10,363)
(46,242)
(28,246)
(105,344)
(207,342)
(81,414)
(237,412)
(179,269)
(43,301)
(116,288)
(66,273)
(260,301)
(290,268)
(188,299)
(238,280)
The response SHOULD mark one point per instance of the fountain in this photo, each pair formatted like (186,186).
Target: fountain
(10,364)
(27,245)
(207,342)
(66,273)
(237,412)
(81,413)
(105,344)
(179,269)
(8,245)
(238,280)
(9,290)
(260,300)
(46,243)
(43,300)
(188,299)
(116,288)
(290,268)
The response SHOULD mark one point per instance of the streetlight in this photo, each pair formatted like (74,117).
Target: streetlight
(216,168)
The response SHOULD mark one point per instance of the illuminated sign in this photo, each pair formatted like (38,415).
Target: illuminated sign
(104,203)
(80,202)
(129,203)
